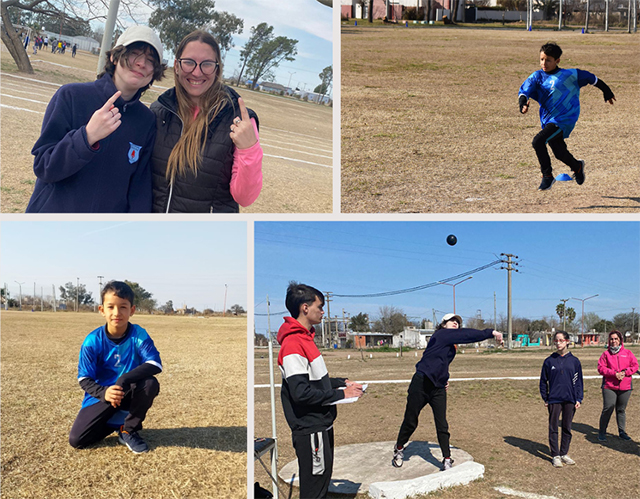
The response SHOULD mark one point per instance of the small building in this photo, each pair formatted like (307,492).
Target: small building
(413,337)
(274,88)
(367,340)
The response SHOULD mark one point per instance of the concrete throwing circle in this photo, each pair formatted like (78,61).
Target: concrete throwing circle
(357,466)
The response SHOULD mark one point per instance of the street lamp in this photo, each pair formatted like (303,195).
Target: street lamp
(582,320)
(454,289)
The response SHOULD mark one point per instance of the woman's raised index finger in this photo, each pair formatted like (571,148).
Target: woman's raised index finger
(243,110)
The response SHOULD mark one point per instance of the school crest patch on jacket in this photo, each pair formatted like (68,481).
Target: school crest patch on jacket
(134,152)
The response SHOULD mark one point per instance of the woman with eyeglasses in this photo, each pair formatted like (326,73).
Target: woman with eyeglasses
(207,156)
(93,154)
(617,365)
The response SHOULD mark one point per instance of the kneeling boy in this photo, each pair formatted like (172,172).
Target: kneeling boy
(117,368)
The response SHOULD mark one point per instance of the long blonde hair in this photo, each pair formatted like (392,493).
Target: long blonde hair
(187,153)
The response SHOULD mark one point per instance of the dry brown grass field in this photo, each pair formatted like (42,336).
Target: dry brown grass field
(430,122)
(502,424)
(196,429)
(296,136)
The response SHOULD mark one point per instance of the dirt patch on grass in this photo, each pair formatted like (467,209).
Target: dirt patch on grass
(502,424)
(430,122)
(196,428)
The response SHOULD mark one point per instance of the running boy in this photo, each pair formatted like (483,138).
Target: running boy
(561,388)
(558,93)
(117,368)
(307,390)
(94,150)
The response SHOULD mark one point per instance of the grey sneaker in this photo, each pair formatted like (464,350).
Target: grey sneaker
(557,462)
(133,441)
(447,464)
(546,183)
(579,175)
(398,456)
(567,460)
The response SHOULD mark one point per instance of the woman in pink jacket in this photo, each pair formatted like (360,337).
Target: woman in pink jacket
(617,365)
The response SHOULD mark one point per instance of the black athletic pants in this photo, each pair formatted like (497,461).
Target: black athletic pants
(552,135)
(91,426)
(567,409)
(422,392)
(315,463)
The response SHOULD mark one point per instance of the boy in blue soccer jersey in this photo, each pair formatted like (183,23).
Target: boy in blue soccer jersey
(117,368)
(558,93)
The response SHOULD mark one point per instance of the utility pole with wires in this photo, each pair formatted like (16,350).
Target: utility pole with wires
(327,300)
(20,284)
(582,318)
(274,460)
(633,321)
(509,268)
(100,277)
(53,291)
(77,292)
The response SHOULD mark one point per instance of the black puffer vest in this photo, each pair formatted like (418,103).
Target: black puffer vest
(208,191)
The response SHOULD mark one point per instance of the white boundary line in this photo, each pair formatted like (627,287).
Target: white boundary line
(23,98)
(516,378)
(296,150)
(525,495)
(21,109)
(30,79)
(296,160)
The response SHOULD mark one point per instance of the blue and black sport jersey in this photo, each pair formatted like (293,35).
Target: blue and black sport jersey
(104,361)
(558,94)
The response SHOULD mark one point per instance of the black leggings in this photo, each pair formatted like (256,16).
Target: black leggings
(422,392)
(552,135)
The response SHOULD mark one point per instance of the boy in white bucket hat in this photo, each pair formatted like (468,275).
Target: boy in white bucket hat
(93,154)
(429,383)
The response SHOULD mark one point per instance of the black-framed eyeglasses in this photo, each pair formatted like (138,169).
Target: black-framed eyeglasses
(189,66)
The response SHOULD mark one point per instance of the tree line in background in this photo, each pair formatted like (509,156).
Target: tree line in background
(392,320)
(72,297)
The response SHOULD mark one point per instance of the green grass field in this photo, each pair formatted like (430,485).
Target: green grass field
(196,429)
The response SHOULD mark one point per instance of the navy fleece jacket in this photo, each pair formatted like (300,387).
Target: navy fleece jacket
(441,350)
(73,177)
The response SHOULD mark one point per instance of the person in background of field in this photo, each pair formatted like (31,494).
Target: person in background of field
(558,93)
(431,380)
(617,365)
(74,49)
(561,388)
(307,390)
(207,157)
(94,150)
(117,368)
(46,41)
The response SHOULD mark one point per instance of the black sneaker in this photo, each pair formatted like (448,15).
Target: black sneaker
(546,183)
(133,441)
(579,175)
(398,456)
(624,436)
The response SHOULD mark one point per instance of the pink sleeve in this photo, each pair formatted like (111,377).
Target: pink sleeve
(603,368)
(246,174)
(633,365)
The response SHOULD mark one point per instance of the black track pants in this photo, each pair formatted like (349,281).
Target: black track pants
(552,135)
(315,463)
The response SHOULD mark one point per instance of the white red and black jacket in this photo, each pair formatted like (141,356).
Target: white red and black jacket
(306,385)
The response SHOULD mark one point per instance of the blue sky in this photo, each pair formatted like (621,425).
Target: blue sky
(556,260)
(307,21)
(187,262)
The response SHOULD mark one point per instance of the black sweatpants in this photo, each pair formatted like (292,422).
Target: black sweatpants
(421,392)
(91,426)
(552,135)
(315,463)
(567,409)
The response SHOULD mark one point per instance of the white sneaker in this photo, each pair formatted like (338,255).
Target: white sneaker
(557,462)
(398,456)
(447,464)
(567,460)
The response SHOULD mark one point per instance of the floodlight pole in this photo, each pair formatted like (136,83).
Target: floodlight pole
(564,312)
(633,321)
(274,460)
(454,290)
(224,305)
(107,38)
(20,285)
(582,319)
(100,277)
(77,291)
